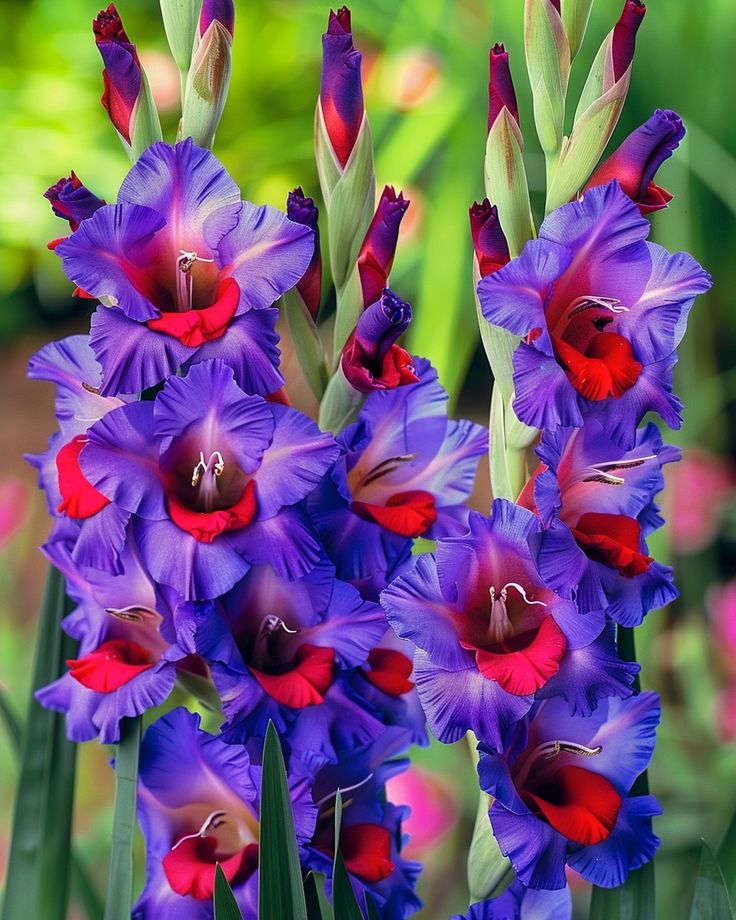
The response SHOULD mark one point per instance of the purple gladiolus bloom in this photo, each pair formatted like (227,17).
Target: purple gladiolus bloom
(70,364)
(599,501)
(561,792)
(371,359)
(341,89)
(379,246)
(276,647)
(601,312)
(405,471)
(72,200)
(371,838)
(207,813)
(489,242)
(303,210)
(635,163)
(624,36)
(501,94)
(122,73)
(125,627)
(212,478)
(521,903)
(187,271)
(222,11)
(491,635)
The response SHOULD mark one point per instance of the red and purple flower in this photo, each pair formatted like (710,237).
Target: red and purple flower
(186,272)
(601,312)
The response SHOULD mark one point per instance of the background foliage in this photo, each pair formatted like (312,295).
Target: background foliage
(426,75)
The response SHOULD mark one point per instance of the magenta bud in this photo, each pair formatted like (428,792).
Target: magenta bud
(500,86)
(72,201)
(489,242)
(635,163)
(341,89)
(302,210)
(379,246)
(222,11)
(122,73)
(371,359)
(624,36)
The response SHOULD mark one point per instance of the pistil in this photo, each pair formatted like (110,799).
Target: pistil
(550,749)
(184,286)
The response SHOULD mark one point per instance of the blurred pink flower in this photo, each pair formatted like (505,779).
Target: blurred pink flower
(163,78)
(699,485)
(726,714)
(721,604)
(434,809)
(14,502)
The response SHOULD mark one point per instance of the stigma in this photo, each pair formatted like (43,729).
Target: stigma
(215,462)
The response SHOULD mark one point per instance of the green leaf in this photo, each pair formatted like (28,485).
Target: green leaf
(726,856)
(318,907)
(180,24)
(489,871)
(82,888)
(575,15)
(226,907)
(339,405)
(711,900)
(207,85)
(38,862)
(548,63)
(343,896)
(280,888)
(634,900)
(120,879)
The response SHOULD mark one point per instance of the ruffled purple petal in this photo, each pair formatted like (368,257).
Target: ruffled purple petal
(110,256)
(250,348)
(265,252)
(297,459)
(631,844)
(133,357)
(537,851)
(544,398)
(209,402)
(418,612)
(120,459)
(591,673)
(287,542)
(456,702)
(187,185)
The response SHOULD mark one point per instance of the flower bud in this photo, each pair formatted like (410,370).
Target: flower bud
(72,201)
(635,163)
(180,24)
(302,210)
(371,359)
(500,85)
(624,36)
(341,89)
(222,11)
(207,84)
(126,96)
(379,246)
(489,242)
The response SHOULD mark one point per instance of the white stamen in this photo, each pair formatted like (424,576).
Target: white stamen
(218,467)
(602,472)
(522,592)
(550,749)
(581,304)
(209,821)
(331,795)
(184,263)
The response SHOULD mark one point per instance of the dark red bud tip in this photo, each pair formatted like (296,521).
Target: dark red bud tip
(339,22)
(501,92)
(624,36)
(303,210)
(489,242)
(108,26)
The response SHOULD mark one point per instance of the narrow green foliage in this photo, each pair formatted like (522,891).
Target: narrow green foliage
(343,896)
(726,856)
(280,888)
(38,862)
(120,880)
(710,900)
(317,905)
(226,907)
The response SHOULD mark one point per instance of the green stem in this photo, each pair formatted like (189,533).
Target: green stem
(120,881)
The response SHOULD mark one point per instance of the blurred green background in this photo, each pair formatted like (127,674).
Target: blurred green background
(425,71)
